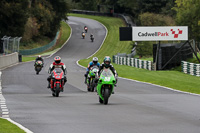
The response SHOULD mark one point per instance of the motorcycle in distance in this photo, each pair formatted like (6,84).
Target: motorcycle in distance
(38,66)
(57,81)
(83,35)
(105,85)
(86,29)
(92,39)
(92,75)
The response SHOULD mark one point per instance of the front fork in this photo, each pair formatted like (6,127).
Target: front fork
(60,82)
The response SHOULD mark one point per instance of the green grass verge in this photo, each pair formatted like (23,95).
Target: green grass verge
(173,79)
(65,33)
(8,127)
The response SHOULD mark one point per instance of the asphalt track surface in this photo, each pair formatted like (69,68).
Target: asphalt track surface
(134,108)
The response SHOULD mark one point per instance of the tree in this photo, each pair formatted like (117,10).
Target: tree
(42,13)
(13,17)
(61,8)
(188,14)
(152,19)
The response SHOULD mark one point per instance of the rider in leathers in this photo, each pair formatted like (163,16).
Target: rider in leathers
(39,58)
(57,64)
(94,62)
(107,64)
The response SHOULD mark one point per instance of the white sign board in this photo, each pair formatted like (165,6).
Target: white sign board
(158,33)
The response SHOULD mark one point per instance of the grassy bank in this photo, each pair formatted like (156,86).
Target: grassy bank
(173,79)
(64,35)
(7,127)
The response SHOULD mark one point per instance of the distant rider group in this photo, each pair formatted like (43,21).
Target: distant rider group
(84,34)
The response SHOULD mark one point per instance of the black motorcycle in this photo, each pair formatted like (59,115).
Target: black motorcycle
(38,66)
(92,39)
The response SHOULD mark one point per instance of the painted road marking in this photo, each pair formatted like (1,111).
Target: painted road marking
(5,112)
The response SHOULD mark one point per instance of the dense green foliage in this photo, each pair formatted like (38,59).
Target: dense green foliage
(152,19)
(145,48)
(31,18)
(13,17)
(188,14)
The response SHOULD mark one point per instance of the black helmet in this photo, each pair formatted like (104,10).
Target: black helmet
(95,60)
(57,59)
(107,61)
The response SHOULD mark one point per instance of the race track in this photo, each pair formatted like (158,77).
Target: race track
(134,108)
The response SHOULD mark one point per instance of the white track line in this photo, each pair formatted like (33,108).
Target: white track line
(5,111)
(137,80)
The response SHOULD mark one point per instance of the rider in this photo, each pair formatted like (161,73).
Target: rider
(91,35)
(107,64)
(39,58)
(57,64)
(85,27)
(94,62)
(83,33)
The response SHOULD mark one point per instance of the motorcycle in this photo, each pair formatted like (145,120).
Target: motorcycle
(105,85)
(57,81)
(83,35)
(86,29)
(92,39)
(38,66)
(92,75)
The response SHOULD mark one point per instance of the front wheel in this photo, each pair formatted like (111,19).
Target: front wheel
(57,91)
(106,96)
(100,100)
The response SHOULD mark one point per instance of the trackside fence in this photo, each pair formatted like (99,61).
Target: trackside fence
(190,68)
(40,49)
(134,62)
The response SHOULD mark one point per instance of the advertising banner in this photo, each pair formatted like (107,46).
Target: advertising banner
(160,33)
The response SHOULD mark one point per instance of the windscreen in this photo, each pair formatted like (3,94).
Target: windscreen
(107,73)
(58,70)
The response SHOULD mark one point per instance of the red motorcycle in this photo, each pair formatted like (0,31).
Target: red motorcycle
(86,29)
(57,81)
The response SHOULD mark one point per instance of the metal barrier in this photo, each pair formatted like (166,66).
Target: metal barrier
(190,68)
(40,49)
(10,45)
(133,62)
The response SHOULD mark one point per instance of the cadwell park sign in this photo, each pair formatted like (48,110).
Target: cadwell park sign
(159,33)
(154,33)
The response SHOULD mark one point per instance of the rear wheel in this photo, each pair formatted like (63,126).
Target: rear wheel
(57,91)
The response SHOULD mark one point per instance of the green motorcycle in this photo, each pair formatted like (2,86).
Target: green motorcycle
(92,75)
(105,85)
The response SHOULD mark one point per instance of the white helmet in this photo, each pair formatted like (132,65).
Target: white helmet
(95,60)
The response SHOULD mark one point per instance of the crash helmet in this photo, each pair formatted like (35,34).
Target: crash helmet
(57,59)
(95,60)
(107,61)
(39,56)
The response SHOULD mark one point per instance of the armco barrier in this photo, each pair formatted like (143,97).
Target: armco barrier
(9,59)
(40,49)
(133,62)
(190,68)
